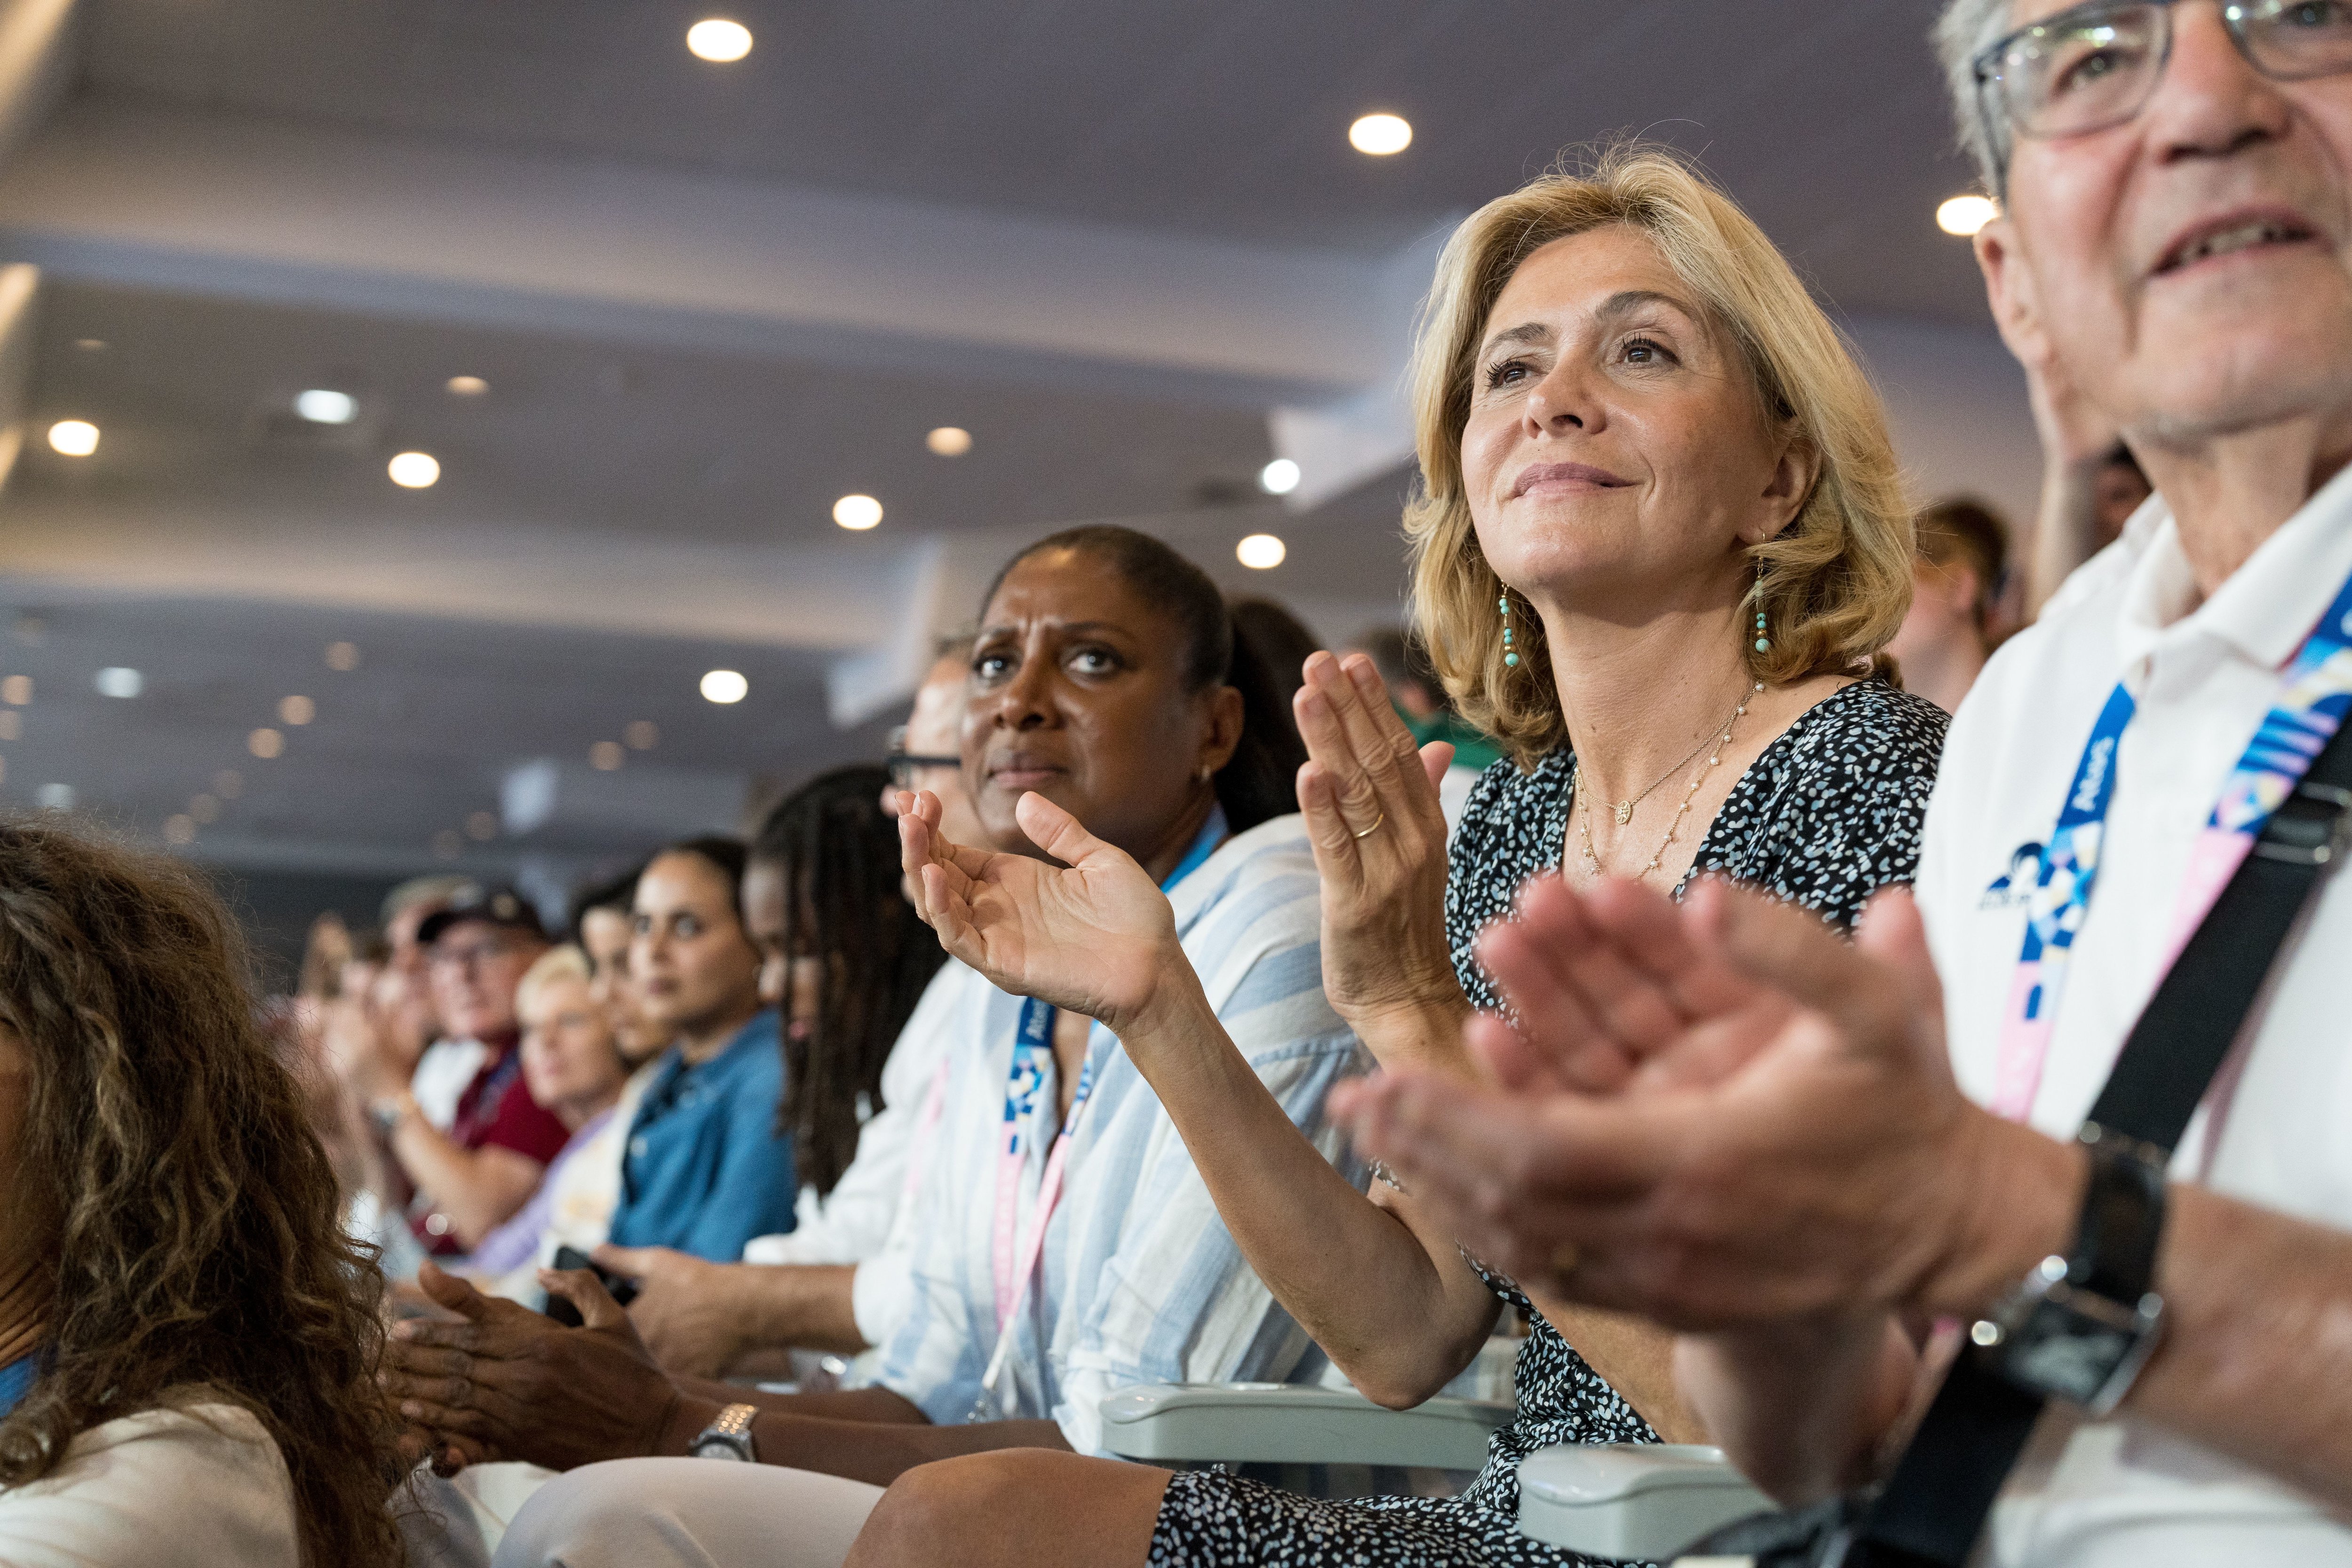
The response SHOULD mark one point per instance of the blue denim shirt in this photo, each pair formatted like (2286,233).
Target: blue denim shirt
(16,1380)
(705,1169)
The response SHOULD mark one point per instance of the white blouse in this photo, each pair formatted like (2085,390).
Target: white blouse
(163,1489)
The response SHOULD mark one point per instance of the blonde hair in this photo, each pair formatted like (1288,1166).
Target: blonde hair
(565,962)
(1833,584)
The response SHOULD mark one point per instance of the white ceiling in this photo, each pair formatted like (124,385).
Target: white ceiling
(1111,241)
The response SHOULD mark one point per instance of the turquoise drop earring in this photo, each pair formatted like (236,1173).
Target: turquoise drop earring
(1763,643)
(1510,655)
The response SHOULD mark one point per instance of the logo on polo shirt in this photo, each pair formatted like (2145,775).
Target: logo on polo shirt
(2013,889)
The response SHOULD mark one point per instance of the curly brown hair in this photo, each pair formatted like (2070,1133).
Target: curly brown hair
(197,1233)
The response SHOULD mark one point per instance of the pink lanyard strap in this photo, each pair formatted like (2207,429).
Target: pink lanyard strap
(2313,694)
(1032,1046)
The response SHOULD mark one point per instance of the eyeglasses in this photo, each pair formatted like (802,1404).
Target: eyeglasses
(2097,65)
(903,764)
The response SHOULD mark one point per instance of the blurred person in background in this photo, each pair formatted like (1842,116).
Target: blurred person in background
(1280,638)
(1955,592)
(403,1028)
(705,1167)
(603,921)
(2091,485)
(1420,699)
(866,1031)
(485,1166)
(569,1066)
(188,1339)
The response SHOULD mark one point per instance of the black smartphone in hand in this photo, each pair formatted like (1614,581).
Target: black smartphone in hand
(621,1288)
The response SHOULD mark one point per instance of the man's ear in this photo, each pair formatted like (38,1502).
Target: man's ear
(2009,290)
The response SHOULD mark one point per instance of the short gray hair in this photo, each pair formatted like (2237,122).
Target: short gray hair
(1965,30)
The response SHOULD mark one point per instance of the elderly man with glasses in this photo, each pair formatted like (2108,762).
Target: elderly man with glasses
(1857,1177)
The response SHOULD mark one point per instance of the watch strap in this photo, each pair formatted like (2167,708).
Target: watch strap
(729,1432)
(2123,1217)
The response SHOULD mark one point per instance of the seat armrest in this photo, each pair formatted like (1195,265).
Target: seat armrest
(1630,1502)
(1293,1424)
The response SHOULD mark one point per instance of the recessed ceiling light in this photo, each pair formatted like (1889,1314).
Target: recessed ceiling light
(17,691)
(1381,135)
(265,743)
(643,735)
(717,39)
(725,685)
(117,680)
(56,796)
(858,512)
(179,829)
(948,442)
(297,710)
(465,386)
(1278,477)
(1260,551)
(344,656)
(606,755)
(325,405)
(1963,215)
(74,438)
(414,470)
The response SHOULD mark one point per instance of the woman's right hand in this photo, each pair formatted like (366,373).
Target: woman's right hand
(1092,935)
(1369,796)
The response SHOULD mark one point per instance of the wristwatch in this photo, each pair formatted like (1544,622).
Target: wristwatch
(2080,1327)
(729,1437)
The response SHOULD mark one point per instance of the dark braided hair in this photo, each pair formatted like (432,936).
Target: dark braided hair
(1259,781)
(839,856)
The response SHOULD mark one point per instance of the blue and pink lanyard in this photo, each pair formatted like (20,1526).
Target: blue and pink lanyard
(1015,1258)
(2313,697)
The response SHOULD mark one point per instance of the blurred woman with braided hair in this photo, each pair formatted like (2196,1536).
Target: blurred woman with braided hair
(188,1340)
(847,958)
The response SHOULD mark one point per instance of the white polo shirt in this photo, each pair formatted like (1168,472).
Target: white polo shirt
(2106,1494)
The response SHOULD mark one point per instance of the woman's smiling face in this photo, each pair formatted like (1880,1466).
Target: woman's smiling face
(1078,693)
(1615,453)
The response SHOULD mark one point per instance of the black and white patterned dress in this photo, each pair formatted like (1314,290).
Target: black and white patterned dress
(1827,813)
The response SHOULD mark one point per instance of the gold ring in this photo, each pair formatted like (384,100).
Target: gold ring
(1375,828)
(1564,1259)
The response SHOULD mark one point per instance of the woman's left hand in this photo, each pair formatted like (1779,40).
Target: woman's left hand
(1092,935)
(1369,796)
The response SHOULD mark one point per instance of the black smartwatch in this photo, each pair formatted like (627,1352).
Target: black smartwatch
(2080,1327)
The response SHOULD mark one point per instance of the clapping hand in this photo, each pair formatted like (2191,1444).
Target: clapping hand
(1711,1115)
(1369,796)
(1092,935)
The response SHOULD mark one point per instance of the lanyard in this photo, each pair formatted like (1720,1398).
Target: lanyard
(1015,1258)
(2313,697)
(16,1380)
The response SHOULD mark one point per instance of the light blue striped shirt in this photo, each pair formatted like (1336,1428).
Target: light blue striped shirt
(1139,1282)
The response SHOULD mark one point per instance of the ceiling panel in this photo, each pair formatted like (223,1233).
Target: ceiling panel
(1216,117)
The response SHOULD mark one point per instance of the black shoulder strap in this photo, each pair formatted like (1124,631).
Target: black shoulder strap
(1934,1506)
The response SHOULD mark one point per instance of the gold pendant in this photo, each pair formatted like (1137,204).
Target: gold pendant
(1624,812)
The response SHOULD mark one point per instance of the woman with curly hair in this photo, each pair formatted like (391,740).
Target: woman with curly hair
(187,1338)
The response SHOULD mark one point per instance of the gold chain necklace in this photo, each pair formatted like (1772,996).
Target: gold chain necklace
(1625,808)
(1584,826)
